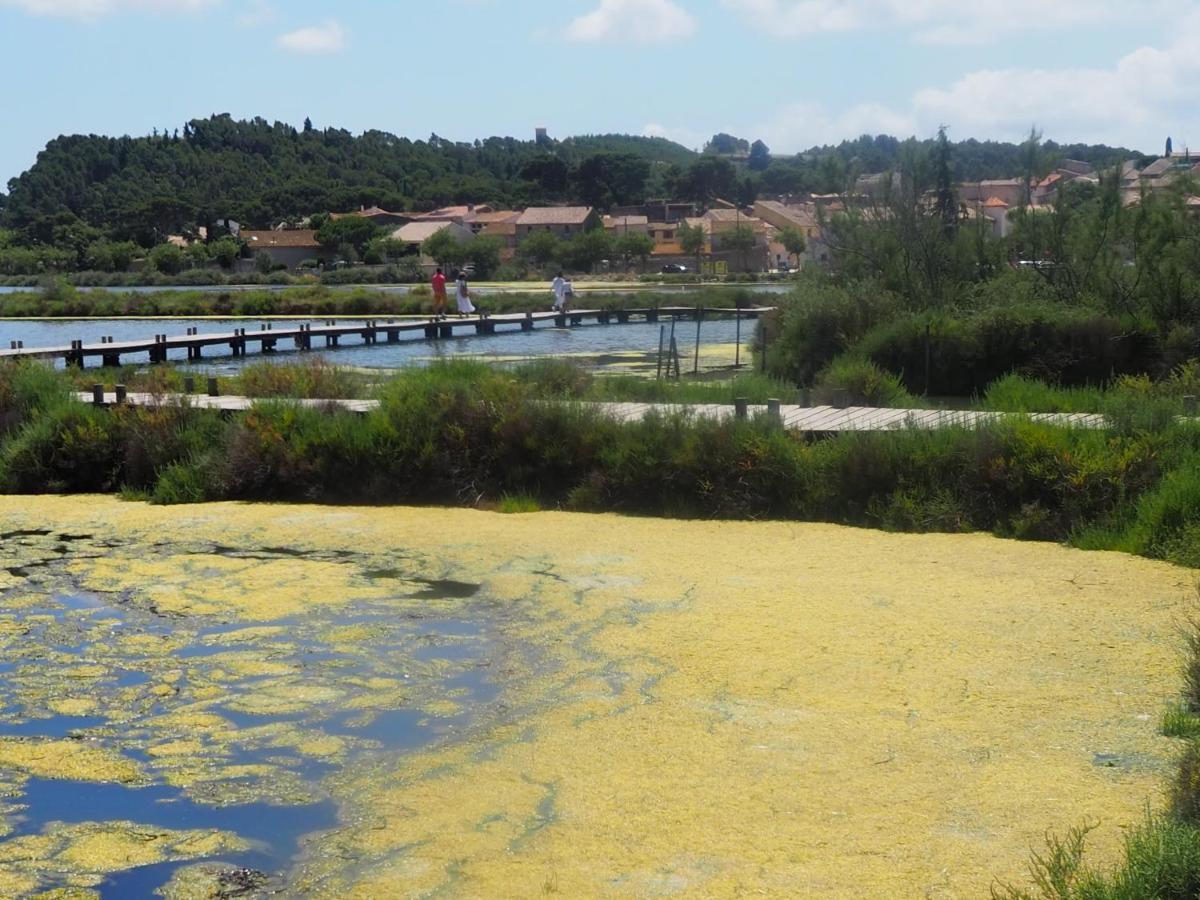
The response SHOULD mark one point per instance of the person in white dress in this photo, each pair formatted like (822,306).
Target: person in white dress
(463,295)
(557,286)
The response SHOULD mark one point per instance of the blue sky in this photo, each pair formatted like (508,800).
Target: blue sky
(793,72)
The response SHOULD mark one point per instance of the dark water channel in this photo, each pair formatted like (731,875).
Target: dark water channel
(448,651)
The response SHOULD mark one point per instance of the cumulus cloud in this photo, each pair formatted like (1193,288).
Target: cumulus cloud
(328,37)
(90,10)
(644,21)
(931,21)
(1146,95)
(255,13)
(688,137)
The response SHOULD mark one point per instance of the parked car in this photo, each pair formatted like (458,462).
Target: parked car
(674,269)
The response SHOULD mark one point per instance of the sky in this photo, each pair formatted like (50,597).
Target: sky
(795,73)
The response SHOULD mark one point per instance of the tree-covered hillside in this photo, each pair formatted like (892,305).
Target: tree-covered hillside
(260,173)
(90,190)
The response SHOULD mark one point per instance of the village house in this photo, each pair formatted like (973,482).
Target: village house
(459,215)
(414,234)
(563,221)
(667,211)
(483,217)
(1010,190)
(287,248)
(781,216)
(619,225)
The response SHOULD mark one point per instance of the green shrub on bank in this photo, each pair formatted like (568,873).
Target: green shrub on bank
(850,381)
(464,433)
(819,322)
(962,354)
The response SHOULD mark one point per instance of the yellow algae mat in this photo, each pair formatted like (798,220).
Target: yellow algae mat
(684,708)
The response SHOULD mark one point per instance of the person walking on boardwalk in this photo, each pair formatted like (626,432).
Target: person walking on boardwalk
(556,286)
(568,294)
(439,294)
(463,294)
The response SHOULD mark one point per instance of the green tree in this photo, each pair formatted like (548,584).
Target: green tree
(760,157)
(356,231)
(447,250)
(197,255)
(793,242)
(633,245)
(727,145)
(693,239)
(167,258)
(608,179)
(540,249)
(707,179)
(585,250)
(484,253)
(740,240)
(226,251)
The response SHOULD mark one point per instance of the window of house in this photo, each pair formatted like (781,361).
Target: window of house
(668,235)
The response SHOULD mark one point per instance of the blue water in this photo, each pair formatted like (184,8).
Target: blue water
(275,832)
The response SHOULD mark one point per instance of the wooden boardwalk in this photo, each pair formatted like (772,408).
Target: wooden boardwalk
(368,331)
(812,420)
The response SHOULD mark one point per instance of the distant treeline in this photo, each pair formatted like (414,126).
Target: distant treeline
(260,173)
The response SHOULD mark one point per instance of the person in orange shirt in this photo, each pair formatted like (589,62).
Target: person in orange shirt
(439,295)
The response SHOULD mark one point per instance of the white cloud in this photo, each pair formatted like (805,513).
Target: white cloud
(328,37)
(686,136)
(643,21)
(933,21)
(257,12)
(90,10)
(1146,95)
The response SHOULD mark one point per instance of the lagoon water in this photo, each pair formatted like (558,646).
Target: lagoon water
(366,703)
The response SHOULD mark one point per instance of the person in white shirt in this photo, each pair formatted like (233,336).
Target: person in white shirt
(463,295)
(557,287)
(568,294)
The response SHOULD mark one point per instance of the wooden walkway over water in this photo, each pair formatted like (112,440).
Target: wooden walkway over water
(304,336)
(812,420)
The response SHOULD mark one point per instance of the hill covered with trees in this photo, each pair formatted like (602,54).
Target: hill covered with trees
(88,191)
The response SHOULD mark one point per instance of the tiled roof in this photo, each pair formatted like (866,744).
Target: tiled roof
(499,217)
(797,215)
(626,221)
(1158,167)
(555,215)
(419,232)
(994,202)
(296,237)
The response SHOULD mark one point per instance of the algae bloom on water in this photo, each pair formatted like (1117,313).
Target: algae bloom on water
(614,707)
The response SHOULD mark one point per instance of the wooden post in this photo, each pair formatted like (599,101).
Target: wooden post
(928,354)
(214,389)
(189,385)
(662,338)
(741,407)
(737,318)
(121,394)
(696,360)
(527,322)
(97,395)
(774,410)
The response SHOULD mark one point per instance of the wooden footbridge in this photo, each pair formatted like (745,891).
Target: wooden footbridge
(805,419)
(304,336)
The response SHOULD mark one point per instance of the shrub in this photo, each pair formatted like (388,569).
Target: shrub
(819,322)
(851,381)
